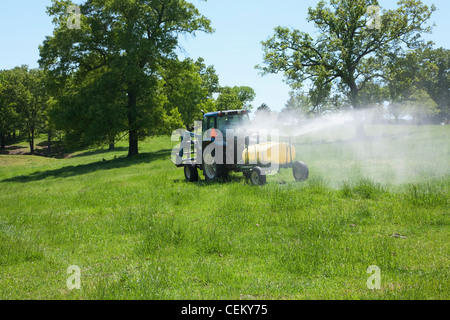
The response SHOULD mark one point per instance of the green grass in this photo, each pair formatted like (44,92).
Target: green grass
(137,230)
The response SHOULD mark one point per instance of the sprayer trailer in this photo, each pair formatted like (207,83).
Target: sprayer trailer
(216,152)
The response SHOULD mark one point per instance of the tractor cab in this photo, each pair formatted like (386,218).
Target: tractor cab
(224,120)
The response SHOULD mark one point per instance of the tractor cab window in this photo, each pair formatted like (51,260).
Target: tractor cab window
(211,122)
(232,121)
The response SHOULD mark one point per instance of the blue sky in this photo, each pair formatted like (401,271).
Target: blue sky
(234,49)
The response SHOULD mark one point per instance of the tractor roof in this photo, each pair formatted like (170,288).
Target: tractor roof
(227,112)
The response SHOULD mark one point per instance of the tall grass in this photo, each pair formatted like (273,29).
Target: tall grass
(137,230)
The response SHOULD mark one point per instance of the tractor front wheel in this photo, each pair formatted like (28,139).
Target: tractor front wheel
(191,173)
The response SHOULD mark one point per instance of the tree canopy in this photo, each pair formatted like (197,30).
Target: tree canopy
(121,43)
(420,75)
(235,98)
(189,87)
(348,54)
(23,103)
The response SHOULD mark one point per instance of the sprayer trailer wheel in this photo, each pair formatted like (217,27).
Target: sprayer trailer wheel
(256,177)
(301,171)
(191,173)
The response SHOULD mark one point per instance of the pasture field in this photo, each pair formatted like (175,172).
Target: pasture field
(137,230)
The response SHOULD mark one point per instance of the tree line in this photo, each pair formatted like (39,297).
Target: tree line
(118,75)
(92,112)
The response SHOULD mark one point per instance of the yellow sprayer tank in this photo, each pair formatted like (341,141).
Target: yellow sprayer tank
(269,152)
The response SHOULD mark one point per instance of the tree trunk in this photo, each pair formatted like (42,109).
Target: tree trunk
(49,142)
(32,144)
(133,144)
(31,140)
(3,141)
(133,132)
(354,99)
(111,143)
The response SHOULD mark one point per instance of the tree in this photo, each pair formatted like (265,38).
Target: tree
(246,95)
(420,105)
(298,101)
(24,100)
(436,81)
(33,115)
(348,54)
(9,118)
(126,40)
(90,110)
(442,93)
(235,98)
(426,70)
(264,108)
(210,80)
(189,86)
(228,100)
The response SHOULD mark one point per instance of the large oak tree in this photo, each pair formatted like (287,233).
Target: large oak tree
(349,52)
(125,40)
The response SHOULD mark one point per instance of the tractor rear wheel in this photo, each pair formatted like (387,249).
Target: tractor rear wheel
(191,173)
(301,171)
(256,177)
(211,170)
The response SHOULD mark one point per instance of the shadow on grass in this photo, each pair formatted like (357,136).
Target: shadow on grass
(202,182)
(82,169)
(100,151)
(11,149)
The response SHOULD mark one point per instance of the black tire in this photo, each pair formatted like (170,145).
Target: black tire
(191,173)
(256,178)
(300,171)
(212,172)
